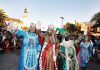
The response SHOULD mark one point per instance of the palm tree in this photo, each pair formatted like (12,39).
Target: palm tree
(2,17)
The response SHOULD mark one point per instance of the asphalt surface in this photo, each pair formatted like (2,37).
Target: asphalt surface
(9,61)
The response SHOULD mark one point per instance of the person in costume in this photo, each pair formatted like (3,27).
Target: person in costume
(40,37)
(61,56)
(48,55)
(30,48)
(85,51)
(67,56)
(97,49)
(77,47)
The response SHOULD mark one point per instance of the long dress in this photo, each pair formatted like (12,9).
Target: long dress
(29,52)
(69,60)
(61,58)
(47,61)
(85,52)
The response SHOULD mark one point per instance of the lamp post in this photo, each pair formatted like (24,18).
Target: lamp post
(62,22)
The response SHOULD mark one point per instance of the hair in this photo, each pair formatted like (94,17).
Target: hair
(35,30)
(85,38)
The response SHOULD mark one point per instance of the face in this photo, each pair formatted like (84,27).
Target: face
(50,31)
(86,38)
(32,29)
(38,31)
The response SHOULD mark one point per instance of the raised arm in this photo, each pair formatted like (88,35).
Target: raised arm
(20,32)
(14,29)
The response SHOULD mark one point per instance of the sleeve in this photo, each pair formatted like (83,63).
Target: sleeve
(90,49)
(20,32)
(91,44)
(37,39)
(81,45)
(38,46)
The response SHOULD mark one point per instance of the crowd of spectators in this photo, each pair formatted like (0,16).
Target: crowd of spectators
(9,41)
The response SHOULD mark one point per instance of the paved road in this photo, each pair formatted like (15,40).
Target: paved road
(9,61)
(93,65)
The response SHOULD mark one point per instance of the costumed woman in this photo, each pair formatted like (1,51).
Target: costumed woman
(30,48)
(48,55)
(67,57)
(61,56)
(77,47)
(85,51)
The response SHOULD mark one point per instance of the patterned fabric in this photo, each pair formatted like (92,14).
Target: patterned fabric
(69,60)
(61,59)
(47,58)
(85,52)
(29,52)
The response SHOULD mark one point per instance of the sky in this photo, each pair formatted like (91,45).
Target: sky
(50,11)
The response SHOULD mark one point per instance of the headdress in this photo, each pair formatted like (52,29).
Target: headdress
(61,31)
(32,25)
(50,26)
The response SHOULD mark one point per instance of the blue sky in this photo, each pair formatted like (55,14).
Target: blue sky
(50,11)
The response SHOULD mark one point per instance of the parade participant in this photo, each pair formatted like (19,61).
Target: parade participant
(97,49)
(48,56)
(67,58)
(40,37)
(61,57)
(85,51)
(40,34)
(77,47)
(30,48)
(71,59)
(97,41)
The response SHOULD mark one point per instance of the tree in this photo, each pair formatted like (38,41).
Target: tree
(2,17)
(70,27)
(95,21)
(96,18)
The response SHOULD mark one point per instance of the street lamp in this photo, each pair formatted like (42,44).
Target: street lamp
(62,22)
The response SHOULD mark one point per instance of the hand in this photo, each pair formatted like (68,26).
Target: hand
(11,27)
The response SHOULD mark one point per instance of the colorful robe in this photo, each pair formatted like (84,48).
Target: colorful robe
(61,58)
(69,59)
(29,52)
(40,38)
(85,52)
(48,57)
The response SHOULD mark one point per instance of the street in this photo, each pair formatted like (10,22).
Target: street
(9,61)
